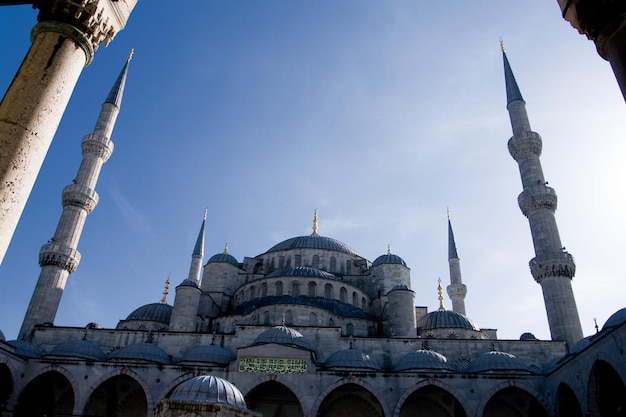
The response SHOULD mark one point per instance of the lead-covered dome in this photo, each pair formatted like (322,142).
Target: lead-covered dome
(283,335)
(616,319)
(27,349)
(142,351)
(224,257)
(208,389)
(313,242)
(302,271)
(79,349)
(388,258)
(351,358)
(209,354)
(445,319)
(423,359)
(152,312)
(497,361)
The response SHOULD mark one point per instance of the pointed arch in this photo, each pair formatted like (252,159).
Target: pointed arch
(426,388)
(567,404)
(272,398)
(120,395)
(350,398)
(48,394)
(606,394)
(513,401)
(431,401)
(116,372)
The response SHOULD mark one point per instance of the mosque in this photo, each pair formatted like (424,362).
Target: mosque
(310,328)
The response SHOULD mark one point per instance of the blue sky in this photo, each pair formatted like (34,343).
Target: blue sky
(378,114)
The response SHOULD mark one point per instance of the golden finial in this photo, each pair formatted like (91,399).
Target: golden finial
(205,212)
(167,286)
(226,248)
(502,45)
(315,224)
(130,54)
(440,291)
(388,248)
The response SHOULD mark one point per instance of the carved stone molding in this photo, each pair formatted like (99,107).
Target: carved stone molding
(558,264)
(80,196)
(97,145)
(59,255)
(529,143)
(538,197)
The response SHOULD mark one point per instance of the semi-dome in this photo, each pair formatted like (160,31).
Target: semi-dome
(313,242)
(224,257)
(208,389)
(388,258)
(142,351)
(423,359)
(496,361)
(188,283)
(445,319)
(209,354)
(26,349)
(351,358)
(616,319)
(302,271)
(79,349)
(152,312)
(282,335)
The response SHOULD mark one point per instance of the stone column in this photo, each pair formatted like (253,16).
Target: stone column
(63,42)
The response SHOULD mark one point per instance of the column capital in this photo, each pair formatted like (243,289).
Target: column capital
(89,22)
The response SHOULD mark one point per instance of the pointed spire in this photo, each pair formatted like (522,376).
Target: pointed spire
(115,95)
(315,224)
(198,249)
(512,90)
(388,248)
(452,254)
(440,298)
(165,290)
(226,248)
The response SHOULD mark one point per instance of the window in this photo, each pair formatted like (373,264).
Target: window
(278,288)
(343,295)
(312,289)
(333,264)
(355,299)
(328,292)
(295,289)
(316,261)
(263,291)
(298,260)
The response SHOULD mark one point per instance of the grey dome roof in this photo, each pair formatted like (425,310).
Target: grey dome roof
(27,349)
(313,242)
(282,335)
(224,257)
(351,358)
(445,319)
(423,359)
(152,312)
(616,319)
(388,258)
(332,306)
(496,361)
(302,271)
(581,344)
(209,354)
(79,349)
(527,336)
(208,389)
(143,351)
(188,283)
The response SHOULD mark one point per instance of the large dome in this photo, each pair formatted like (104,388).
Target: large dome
(445,319)
(313,242)
(616,319)
(302,271)
(208,389)
(282,335)
(152,312)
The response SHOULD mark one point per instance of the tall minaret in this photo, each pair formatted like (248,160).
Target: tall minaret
(456,290)
(198,253)
(552,267)
(58,258)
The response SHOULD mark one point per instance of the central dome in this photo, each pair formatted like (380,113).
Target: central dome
(313,242)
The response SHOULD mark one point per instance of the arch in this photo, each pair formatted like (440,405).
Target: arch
(297,260)
(355,299)
(312,289)
(606,395)
(278,288)
(281,262)
(343,295)
(566,402)
(426,387)
(333,264)
(250,293)
(6,387)
(348,267)
(513,401)
(271,398)
(329,292)
(295,288)
(363,304)
(316,261)
(349,399)
(266,318)
(263,290)
(48,394)
(431,401)
(173,384)
(120,395)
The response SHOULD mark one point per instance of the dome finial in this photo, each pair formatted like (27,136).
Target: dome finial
(388,248)
(165,290)
(226,248)
(315,224)
(130,54)
(502,48)
(440,298)
(206,210)
(448,211)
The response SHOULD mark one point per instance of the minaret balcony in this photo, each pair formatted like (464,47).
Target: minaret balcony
(557,264)
(529,143)
(62,256)
(537,197)
(80,196)
(97,145)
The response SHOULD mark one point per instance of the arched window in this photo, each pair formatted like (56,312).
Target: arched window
(278,288)
(333,264)
(272,264)
(263,292)
(316,261)
(355,299)
(343,295)
(288,263)
(349,329)
(348,267)
(281,262)
(298,260)
(363,304)
(295,289)
(328,292)
(266,318)
(251,292)
(312,289)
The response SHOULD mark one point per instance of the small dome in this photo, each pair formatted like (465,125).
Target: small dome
(27,349)
(282,335)
(423,359)
(351,358)
(581,344)
(496,361)
(188,283)
(209,354)
(208,389)
(79,349)
(445,319)
(313,242)
(388,258)
(527,336)
(616,319)
(152,312)
(224,257)
(143,351)
(302,271)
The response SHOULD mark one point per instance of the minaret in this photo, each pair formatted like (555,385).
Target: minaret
(552,267)
(456,290)
(198,253)
(58,258)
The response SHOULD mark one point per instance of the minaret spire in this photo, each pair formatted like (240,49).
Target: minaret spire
(552,267)
(456,290)
(315,224)
(58,258)
(198,253)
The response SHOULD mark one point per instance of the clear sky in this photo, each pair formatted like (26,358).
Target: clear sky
(379,114)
